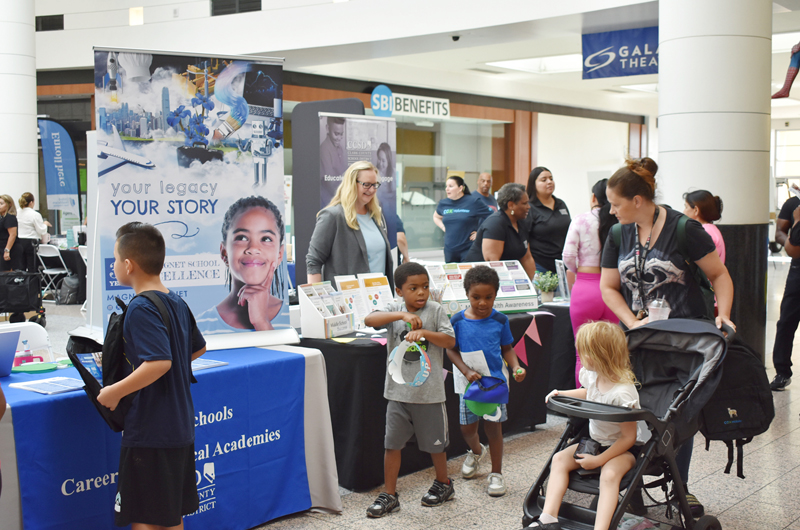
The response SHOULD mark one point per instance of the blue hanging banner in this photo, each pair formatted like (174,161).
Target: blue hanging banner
(620,53)
(60,167)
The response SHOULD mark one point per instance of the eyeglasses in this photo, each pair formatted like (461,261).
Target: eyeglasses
(367,185)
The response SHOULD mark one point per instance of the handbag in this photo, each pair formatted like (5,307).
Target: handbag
(487,389)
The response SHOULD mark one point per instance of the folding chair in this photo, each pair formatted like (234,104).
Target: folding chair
(36,335)
(51,274)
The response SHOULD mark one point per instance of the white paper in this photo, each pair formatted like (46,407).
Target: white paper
(475,360)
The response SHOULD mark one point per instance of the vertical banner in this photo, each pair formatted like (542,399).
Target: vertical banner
(60,167)
(344,139)
(194,146)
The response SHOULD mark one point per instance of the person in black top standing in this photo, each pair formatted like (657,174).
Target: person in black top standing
(12,253)
(787,233)
(503,235)
(548,219)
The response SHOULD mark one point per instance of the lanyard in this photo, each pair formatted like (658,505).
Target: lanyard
(639,263)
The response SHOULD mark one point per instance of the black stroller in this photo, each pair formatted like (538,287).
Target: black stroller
(678,363)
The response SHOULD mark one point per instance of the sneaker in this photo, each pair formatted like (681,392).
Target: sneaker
(471,462)
(384,504)
(697,509)
(780,383)
(497,486)
(439,494)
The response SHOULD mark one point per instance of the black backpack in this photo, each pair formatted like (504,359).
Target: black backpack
(741,406)
(116,365)
(67,290)
(699,276)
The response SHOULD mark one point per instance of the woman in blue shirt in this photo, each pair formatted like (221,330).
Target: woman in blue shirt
(459,216)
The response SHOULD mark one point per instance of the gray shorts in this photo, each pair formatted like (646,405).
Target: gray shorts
(426,421)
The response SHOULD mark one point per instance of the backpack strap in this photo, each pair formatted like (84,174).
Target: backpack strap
(153,297)
(616,234)
(680,234)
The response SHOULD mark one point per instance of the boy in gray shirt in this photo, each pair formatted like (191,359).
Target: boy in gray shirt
(416,407)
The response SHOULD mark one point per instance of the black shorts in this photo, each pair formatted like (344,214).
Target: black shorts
(156,486)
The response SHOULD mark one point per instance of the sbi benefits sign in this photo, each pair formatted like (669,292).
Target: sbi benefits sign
(385,104)
(620,53)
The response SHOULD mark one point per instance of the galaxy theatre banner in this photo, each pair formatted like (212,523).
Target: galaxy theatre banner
(194,146)
(620,53)
(344,139)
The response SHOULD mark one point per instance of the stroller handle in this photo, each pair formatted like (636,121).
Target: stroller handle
(581,408)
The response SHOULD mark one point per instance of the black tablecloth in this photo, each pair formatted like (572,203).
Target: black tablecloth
(562,354)
(356,372)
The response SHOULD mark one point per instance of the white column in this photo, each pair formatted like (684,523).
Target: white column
(714,104)
(19,159)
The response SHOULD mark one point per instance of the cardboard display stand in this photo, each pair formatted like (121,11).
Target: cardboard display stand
(516,294)
(323,312)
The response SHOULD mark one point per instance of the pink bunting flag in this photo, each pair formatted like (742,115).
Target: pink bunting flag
(533,333)
(380,341)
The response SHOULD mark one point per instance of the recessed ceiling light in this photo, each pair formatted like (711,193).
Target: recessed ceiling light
(555,64)
(646,87)
(424,123)
(136,16)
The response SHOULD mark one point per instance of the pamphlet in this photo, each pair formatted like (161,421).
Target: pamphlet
(377,291)
(203,364)
(52,385)
(475,360)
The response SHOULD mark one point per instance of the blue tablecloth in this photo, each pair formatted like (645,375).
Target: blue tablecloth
(250,446)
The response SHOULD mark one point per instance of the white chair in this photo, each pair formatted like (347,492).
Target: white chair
(36,335)
(84,252)
(51,274)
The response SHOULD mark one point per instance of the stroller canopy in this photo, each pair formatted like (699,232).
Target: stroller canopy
(667,355)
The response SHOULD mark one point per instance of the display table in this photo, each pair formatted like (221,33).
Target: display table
(356,372)
(263,445)
(562,353)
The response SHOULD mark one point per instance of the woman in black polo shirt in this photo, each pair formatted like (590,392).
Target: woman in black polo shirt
(504,234)
(549,220)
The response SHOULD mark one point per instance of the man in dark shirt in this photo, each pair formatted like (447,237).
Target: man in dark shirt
(788,220)
(485,191)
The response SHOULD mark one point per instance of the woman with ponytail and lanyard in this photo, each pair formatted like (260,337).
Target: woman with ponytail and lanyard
(582,250)
(647,264)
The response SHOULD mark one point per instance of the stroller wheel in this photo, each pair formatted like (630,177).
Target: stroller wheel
(707,522)
(38,319)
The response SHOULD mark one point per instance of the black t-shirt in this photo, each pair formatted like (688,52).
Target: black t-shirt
(548,232)
(10,221)
(666,274)
(498,227)
(786,214)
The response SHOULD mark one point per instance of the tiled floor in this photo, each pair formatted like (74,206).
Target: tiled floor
(768,498)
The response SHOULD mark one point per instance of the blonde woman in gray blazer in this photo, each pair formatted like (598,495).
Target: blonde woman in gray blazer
(350,235)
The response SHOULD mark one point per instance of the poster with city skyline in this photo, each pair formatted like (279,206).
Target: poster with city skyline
(194,146)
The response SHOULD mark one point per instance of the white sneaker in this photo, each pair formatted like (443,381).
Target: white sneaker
(497,486)
(472,461)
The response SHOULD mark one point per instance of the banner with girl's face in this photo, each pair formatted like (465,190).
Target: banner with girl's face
(194,146)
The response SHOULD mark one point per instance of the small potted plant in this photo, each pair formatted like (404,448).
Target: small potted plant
(196,143)
(547,283)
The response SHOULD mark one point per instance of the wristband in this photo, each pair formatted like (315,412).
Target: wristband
(7,250)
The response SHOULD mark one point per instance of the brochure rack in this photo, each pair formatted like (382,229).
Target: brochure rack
(516,294)
(323,312)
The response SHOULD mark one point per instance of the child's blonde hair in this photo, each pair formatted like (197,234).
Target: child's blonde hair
(603,345)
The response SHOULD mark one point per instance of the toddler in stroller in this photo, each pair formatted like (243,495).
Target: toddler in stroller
(677,364)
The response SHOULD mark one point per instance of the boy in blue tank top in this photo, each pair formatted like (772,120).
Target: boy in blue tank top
(481,328)
(156,469)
